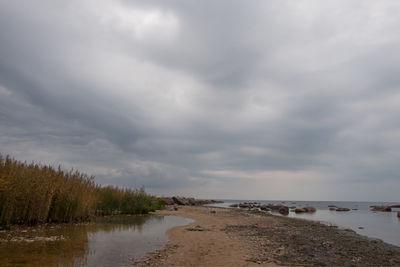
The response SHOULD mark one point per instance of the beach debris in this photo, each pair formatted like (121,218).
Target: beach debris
(342,209)
(381,208)
(29,239)
(197,228)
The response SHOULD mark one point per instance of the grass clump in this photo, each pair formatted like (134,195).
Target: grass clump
(33,193)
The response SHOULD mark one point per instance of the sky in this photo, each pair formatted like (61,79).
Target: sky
(277,99)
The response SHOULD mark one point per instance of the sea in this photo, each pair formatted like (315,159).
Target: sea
(360,218)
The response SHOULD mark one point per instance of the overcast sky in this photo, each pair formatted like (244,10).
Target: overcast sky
(274,99)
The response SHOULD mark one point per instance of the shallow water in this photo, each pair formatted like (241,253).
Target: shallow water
(382,225)
(110,241)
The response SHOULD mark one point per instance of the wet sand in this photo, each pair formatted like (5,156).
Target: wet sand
(233,237)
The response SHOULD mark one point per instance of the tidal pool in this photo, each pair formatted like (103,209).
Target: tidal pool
(109,241)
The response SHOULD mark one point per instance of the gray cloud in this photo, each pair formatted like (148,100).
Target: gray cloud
(267,100)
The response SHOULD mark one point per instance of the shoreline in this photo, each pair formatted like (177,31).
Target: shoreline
(230,237)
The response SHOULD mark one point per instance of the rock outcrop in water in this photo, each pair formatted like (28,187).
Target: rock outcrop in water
(187,201)
(381,208)
(305,209)
(342,209)
(282,209)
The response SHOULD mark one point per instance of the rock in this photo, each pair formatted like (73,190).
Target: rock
(342,209)
(191,201)
(305,209)
(284,210)
(309,209)
(299,210)
(178,201)
(234,205)
(395,206)
(265,208)
(197,228)
(398,214)
(167,200)
(332,208)
(381,208)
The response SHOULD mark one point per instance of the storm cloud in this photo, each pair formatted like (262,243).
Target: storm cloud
(213,99)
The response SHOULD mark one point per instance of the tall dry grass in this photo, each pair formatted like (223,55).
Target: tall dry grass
(33,193)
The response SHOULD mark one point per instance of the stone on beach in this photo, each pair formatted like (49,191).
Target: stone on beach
(183,201)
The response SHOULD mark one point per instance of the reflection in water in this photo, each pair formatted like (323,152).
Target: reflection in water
(109,241)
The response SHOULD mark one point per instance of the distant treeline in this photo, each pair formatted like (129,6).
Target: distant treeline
(34,193)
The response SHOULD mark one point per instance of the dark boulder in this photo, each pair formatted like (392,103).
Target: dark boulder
(299,210)
(284,210)
(381,208)
(309,209)
(342,209)
(167,201)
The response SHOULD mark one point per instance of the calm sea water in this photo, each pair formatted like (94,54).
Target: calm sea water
(110,241)
(382,225)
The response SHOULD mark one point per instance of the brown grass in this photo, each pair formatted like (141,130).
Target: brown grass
(33,193)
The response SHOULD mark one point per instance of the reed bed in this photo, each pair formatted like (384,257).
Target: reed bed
(34,193)
(113,200)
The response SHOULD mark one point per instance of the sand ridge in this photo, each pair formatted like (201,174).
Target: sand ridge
(237,237)
(204,242)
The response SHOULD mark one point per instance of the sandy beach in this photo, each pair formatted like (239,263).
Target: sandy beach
(233,237)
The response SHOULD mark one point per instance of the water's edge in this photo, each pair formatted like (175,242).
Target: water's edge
(376,225)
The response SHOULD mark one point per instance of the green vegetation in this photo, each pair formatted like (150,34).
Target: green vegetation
(113,200)
(33,193)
